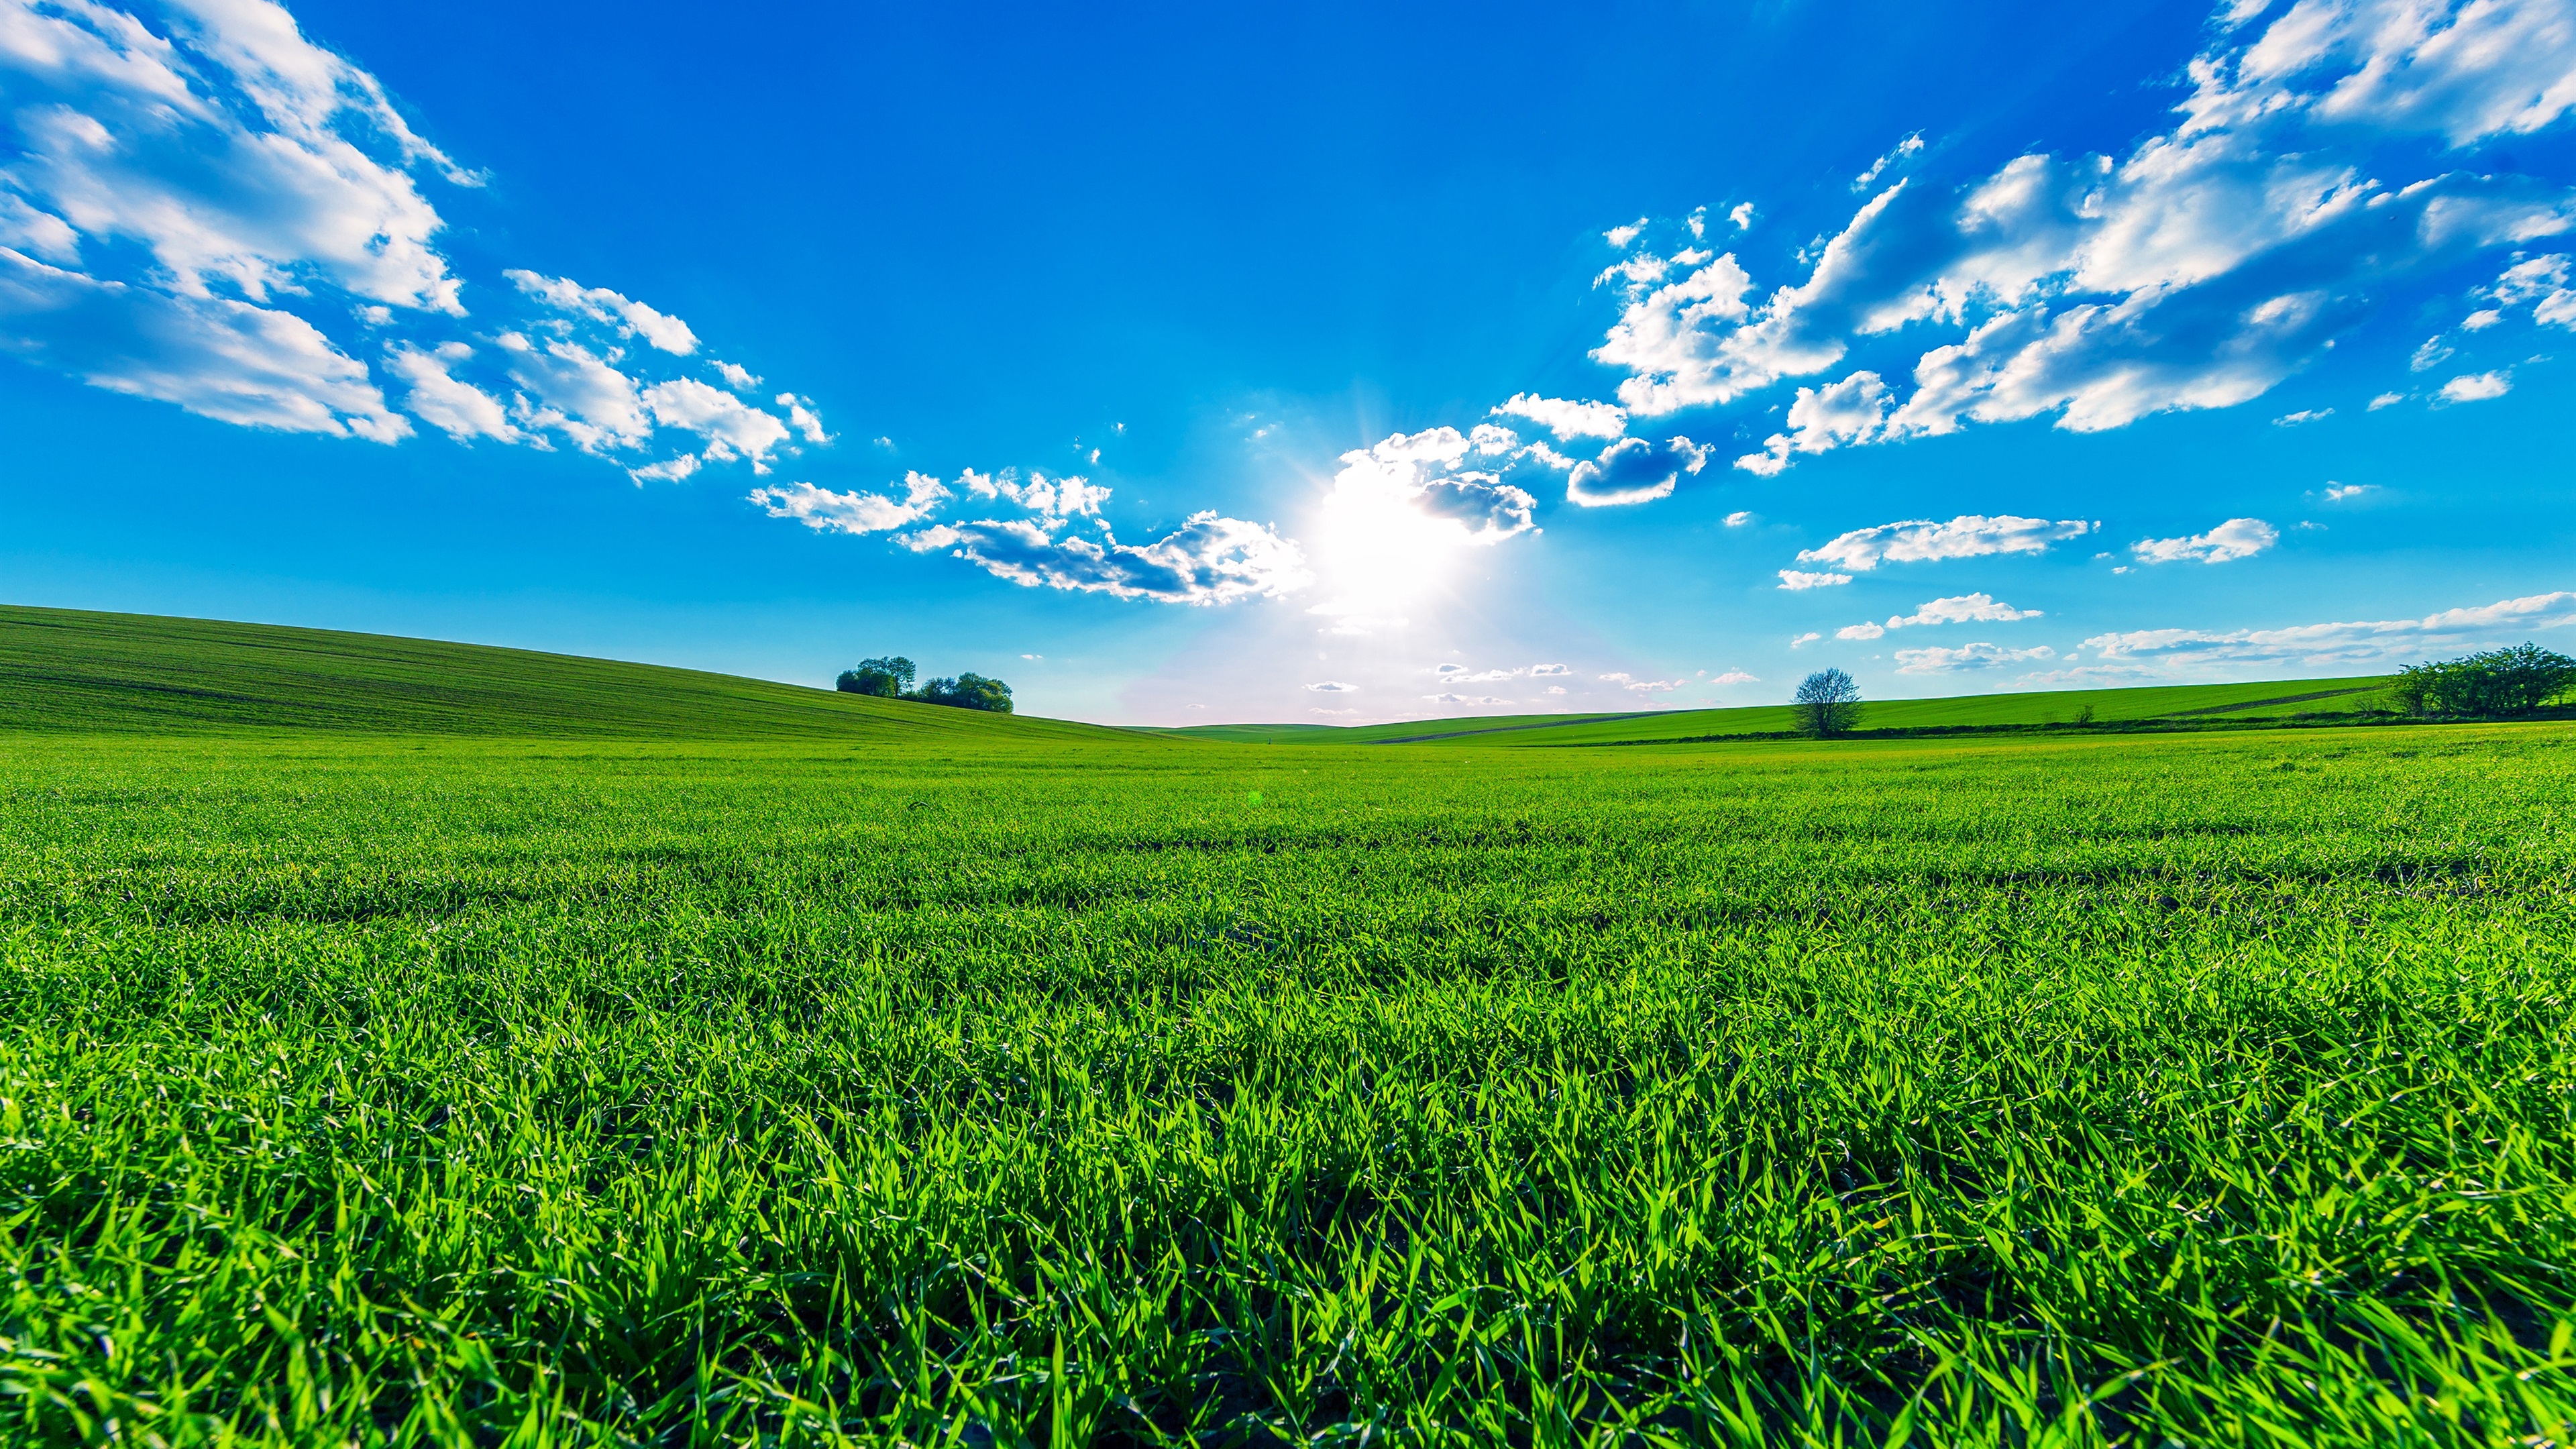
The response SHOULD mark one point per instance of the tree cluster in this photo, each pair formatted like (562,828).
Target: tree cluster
(1828,703)
(2499,682)
(891,678)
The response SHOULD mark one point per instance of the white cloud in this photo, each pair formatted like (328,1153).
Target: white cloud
(599,304)
(731,428)
(1207,560)
(1794,580)
(2344,643)
(2303,415)
(1738,519)
(1333,686)
(1966,657)
(1461,674)
(1977,608)
(1488,440)
(2338,492)
(1803,640)
(1632,683)
(2542,282)
(800,415)
(580,396)
(458,409)
(1620,236)
(1742,216)
(2236,538)
(2477,386)
(299,173)
(1878,168)
(1633,470)
(2481,320)
(1918,540)
(218,358)
(1464,699)
(197,206)
(2196,271)
(672,470)
(737,378)
(1851,411)
(1735,676)
(1328,713)
(2432,354)
(2386,400)
(1054,499)
(1568,420)
(823,510)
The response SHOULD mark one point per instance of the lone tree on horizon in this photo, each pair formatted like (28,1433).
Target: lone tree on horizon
(1828,703)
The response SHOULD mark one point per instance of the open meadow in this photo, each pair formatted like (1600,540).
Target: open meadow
(990,1090)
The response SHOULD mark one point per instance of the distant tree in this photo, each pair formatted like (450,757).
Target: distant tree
(2497,682)
(968,691)
(1828,703)
(889,678)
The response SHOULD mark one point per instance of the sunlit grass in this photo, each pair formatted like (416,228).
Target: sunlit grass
(2206,1089)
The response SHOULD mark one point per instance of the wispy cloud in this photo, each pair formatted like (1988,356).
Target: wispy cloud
(1967,657)
(2351,642)
(1924,540)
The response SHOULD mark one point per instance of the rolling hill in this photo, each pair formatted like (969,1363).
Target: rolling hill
(2261,700)
(71,670)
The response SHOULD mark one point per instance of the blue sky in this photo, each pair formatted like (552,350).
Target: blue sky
(1306,364)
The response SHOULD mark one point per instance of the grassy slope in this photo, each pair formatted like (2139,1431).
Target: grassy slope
(63,669)
(2188,700)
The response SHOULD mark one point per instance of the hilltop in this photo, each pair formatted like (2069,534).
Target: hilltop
(72,670)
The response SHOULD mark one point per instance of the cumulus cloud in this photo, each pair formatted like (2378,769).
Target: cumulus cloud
(1977,608)
(2196,271)
(1633,470)
(216,357)
(2540,282)
(459,409)
(2346,642)
(578,394)
(1967,657)
(1209,559)
(740,379)
(731,430)
(2340,492)
(1853,410)
(1734,676)
(628,318)
(2236,538)
(825,511)
(1922,540)
(1642,686)
(1333,686)
(2477,387)
(1568,420)
(208,209)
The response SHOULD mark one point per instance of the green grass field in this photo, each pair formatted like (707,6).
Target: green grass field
(893,1084)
